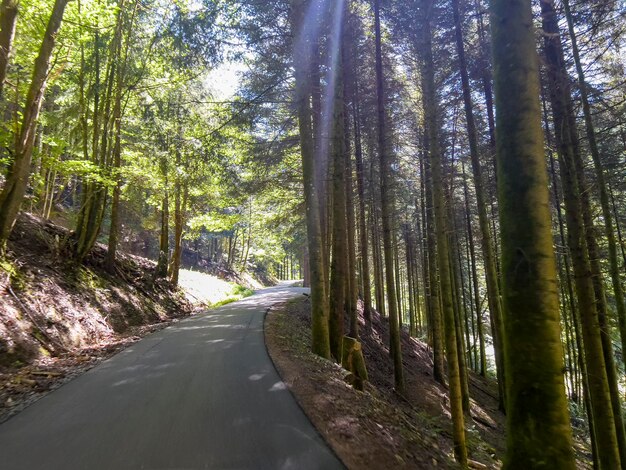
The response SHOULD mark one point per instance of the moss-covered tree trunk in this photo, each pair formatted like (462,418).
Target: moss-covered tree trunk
(91,214)
(117,130)
(607,215)
(347,71)
(117,190)
(411,282)
(363,231)
(301,58)
(474,281)
(181,196)
(162,261)
(491,276)
(16,182)
(429,101)
(538,429)
(608,426)
(339,284)
(433,294)
(116,164)
(387,209)
(379,289)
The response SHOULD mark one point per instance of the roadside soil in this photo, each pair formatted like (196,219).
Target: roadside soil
(378,428)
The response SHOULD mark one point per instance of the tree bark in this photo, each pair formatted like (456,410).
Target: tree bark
(434,303)
(601,183)
(17,178)
(339,255)
(608,426)
(443,258)
(8,20)
(360,177)
(387,208)
(532,341)
(319,313)
(491,276)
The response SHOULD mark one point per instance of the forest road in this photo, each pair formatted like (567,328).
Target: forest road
(201,394)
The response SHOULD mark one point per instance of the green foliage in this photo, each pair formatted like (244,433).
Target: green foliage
(12,272)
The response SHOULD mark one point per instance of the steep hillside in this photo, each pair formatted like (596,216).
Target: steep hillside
(378,427)
(58,318)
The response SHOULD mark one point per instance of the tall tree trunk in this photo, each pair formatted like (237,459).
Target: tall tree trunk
(94,205)
(17,178)
(409,272)
(360,176)
(379,289)
(601,183)
(474,279)
(319,312)
(532,340)
(117,163)
(181,194)
(117,130)
(162,263)
(387,209)
(491,276)
(434,303)
(608,426)
(339,284)
(347,72)
(440,213)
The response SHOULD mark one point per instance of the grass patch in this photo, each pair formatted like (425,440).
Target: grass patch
(238,292)
(209,291)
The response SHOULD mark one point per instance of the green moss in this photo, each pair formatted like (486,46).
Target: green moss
(16,277)
(86,278)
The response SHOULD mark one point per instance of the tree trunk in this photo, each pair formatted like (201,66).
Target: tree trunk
(339,284)
(601,183)
(387,209)
(8,20)
(162,263)
(434,303)
(117,163)
(353,361)
(117,149)
(440,213)
(347,72)
(17,178)
(532,341)
(180,208)
(365,267)
(94,206)
(491,276)
(590,297)
(319,312)
(476,296)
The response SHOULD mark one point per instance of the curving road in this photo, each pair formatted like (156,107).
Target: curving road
(201,394)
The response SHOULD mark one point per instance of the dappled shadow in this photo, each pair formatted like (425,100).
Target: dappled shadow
(200,394)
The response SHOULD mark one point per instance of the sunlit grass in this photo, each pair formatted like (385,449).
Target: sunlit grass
(210,291)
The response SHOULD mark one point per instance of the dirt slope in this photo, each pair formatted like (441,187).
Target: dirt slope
(378,428)
(58,318)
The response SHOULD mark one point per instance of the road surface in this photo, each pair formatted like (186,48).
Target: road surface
(201,394)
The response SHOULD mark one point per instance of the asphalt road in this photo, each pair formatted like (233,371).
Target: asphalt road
(201,394)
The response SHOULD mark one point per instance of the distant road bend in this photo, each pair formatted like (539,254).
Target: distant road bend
(201,394)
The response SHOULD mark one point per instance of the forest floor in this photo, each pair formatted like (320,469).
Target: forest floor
(378,428)
(59,319)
